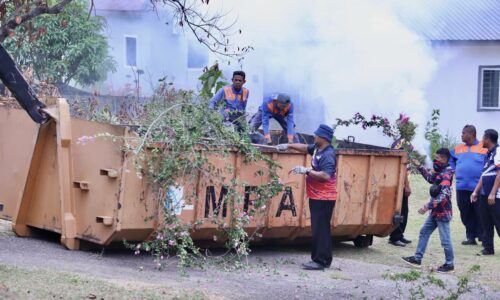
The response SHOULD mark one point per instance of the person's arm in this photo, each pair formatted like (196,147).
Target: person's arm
(265,121)
(302,148)
(407,187)
(216,99)
(423,171)
(473,196)
(244,104)
(493,193)
(327,166)
(453,159)
(290,124)
(319,175)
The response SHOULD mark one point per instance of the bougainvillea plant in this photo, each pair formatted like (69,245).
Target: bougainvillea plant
(402,131)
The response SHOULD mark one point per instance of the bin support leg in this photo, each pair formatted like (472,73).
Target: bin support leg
(65,169)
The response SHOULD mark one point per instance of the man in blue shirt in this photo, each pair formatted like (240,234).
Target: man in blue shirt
(279,107)
(234,100)
(488,190)
(467,160)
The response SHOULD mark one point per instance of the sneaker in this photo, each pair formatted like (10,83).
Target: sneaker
(312,265)
(486,252)
(446,268)
(412,261)
(405,240)
(397,243)
(469,242)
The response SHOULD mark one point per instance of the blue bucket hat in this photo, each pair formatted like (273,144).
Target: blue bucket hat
(324,131)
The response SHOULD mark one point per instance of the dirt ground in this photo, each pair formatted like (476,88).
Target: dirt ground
(37,268)
(42,269)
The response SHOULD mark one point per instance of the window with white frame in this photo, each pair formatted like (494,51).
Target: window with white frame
(197,55)
(130,51)
(489,85)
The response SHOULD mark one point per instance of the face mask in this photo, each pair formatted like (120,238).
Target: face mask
(437,165)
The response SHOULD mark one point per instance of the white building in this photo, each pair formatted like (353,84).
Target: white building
(465,40)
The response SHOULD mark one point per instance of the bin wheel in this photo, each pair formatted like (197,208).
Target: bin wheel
(363,241)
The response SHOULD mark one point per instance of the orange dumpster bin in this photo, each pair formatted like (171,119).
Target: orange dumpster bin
(92,193)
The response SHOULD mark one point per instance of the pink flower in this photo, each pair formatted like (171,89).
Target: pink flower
(171,243)
(242,214)
(85,139)
(137,252)
(159,236)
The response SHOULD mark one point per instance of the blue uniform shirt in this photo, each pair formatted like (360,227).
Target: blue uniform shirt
(491,166)
(270,109)
(468,162)
(235,102)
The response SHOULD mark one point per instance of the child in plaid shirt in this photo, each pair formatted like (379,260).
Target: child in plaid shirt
(441,211)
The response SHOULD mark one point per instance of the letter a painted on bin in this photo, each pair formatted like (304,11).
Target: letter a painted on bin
(283,206)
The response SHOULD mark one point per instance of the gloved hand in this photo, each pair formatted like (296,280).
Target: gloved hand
(282,147)
(300,170)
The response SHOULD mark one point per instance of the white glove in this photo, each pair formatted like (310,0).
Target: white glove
(282,147)
(300,170)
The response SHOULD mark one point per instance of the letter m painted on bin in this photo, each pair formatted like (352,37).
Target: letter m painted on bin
(212,205)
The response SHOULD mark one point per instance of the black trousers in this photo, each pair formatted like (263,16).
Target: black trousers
(490,219)
(469,213)
(399,232)
(321,217)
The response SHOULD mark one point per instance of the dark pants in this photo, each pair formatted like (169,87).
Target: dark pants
(469,213)
(256,122)
(321,217)
(490,219)
(398,233)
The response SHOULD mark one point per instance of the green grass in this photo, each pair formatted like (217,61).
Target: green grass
(465,256)
(19,283)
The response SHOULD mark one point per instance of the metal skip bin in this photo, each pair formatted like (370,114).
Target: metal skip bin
(91,192)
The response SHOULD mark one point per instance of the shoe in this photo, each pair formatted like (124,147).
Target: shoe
(446,268)
(397,243)
(469,242)
(412,261)
(486,252)
(312,265)
(405,240)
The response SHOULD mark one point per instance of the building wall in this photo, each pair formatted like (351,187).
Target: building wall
(454,88)
(160,51)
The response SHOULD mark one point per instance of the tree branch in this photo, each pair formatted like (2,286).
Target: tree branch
(40,9)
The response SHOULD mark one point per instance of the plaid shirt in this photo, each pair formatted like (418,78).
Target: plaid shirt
(440,206)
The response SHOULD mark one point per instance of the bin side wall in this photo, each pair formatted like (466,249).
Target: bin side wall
(18,136)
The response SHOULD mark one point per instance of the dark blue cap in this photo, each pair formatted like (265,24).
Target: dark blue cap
(324,131)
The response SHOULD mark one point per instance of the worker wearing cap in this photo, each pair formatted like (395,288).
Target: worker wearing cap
(321,185)
(279,107)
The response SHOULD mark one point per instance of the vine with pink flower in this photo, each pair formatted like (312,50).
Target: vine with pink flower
(402,131)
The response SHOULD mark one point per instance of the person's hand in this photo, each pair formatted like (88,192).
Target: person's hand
(423,210)
(407,191)
(282,147)
(299,170)
(473,197)
(491,199)
(415,162)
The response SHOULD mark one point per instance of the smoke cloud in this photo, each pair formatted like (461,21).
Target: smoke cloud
(337,58)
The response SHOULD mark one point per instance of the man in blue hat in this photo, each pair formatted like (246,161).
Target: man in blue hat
(321,184)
